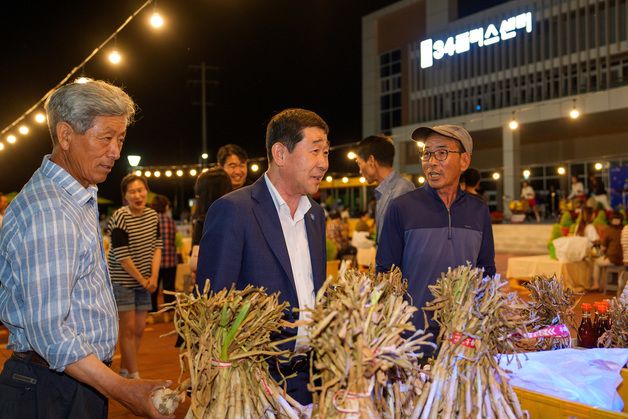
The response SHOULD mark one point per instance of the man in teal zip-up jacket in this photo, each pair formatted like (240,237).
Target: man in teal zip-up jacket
(437,226)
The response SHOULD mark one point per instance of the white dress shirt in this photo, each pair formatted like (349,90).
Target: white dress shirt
(295,235)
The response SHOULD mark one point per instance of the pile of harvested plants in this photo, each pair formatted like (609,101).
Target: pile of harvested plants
(361,359)
(551,305)
(617,335)
(477,321)
(227,344)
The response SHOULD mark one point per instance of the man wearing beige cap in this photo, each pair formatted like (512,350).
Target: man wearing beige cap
(437,226)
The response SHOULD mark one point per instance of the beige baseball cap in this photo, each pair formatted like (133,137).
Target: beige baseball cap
(452,131)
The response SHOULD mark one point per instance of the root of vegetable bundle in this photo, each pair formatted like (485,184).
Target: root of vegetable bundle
(477,322)
(551,304)
(361,357)
(617,335)
(228,343)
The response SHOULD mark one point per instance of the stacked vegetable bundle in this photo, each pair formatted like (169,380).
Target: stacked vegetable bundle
(551,305)
(227,341)
(477,321)
(617,335)
(361,358)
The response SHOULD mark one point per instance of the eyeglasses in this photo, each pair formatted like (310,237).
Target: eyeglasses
(439,155)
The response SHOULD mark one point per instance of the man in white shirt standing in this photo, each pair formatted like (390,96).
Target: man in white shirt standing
(271,234)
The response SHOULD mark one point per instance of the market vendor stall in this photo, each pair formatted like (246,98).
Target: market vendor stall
(574,275)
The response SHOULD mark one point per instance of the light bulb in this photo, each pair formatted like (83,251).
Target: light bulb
(496,176)
(138,173)
(11,139)
(157,173)
(421,180)
(23,130)
(147,173)
(115,57)
(561,170)
(134,160)
(345,179)
(40,118)
(329,178)
(574,114)
(513,124)
(193,172)
(204,156)
(254,167)
(526,174)
(168,173)
(598,166)
(156,20)
(179,172)
(351,155)
(362,179)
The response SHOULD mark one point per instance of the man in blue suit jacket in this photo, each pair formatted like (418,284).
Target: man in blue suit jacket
(271,234)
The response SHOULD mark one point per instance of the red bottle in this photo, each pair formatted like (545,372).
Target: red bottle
(602,324)
(587,334)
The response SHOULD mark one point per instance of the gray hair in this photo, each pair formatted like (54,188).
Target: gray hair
(79,103)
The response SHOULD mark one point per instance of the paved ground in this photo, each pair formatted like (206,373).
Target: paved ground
(159,359)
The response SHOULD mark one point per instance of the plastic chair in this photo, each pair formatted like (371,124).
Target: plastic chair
(609,284)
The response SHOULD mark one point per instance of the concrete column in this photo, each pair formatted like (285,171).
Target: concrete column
(511,146)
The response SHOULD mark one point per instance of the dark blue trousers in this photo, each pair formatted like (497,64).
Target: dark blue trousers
(32,391)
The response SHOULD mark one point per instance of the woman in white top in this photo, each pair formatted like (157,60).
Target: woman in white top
(577,189)
(528,194)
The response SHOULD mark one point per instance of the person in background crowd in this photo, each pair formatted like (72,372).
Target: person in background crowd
(4,203)
(232,159)
(622,289)
(598,192)
(577,189)
(471,177)
(585,228)
(210,186)
(363,222)
(360,238)
(134,261)
(612,248)
(375,157)
(271,234)
(168,267)
(336,231)
(437,226)
(56,297)
(528,194)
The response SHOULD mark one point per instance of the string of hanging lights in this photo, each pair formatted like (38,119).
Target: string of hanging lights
(21,122)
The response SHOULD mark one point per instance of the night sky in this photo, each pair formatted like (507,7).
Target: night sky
(270,55)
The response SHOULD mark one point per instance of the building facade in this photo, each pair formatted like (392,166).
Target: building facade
(558,68)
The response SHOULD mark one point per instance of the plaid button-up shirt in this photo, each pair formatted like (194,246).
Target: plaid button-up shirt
(168,232)
(55,295)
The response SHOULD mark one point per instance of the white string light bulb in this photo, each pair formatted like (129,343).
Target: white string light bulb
(156,21)
(114,57)
(23,130)
(11,139)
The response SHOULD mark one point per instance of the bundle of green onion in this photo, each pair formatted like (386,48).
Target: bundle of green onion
(477,322)
(361,355)
(227,346)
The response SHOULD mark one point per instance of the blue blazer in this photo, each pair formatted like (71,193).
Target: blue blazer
(243,243)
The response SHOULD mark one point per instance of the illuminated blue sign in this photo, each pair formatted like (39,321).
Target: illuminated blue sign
(431,50)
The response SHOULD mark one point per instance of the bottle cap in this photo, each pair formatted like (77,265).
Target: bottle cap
(602,308)
(586,306)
